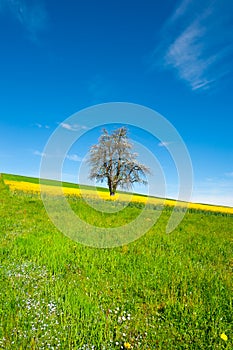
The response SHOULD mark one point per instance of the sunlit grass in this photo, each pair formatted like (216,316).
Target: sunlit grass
(104,195)
(163,291)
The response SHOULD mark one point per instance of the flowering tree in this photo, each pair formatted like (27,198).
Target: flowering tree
(112,160)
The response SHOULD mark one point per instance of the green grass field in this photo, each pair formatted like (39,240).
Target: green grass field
(163,291)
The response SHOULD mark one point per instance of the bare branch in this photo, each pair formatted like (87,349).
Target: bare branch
(113,161)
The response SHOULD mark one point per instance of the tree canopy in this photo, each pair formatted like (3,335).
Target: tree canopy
(113,160)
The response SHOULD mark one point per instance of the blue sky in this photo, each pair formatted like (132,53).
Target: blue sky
(175,57)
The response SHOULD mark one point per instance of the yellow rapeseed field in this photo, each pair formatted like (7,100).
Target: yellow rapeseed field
(95,194)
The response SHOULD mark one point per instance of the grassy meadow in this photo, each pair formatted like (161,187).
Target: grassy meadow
(163,291)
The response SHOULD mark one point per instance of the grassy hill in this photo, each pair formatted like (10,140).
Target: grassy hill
(32,185)
(162,291)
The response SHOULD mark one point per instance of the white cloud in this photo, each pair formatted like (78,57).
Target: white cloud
(38,153)
(74,157)
(214,199)
(185,55)
(73,127)
(66,126)
(40,126)
(197,42)
(180,10)
(29,13)
(164,144)
(229,174)
(217,191)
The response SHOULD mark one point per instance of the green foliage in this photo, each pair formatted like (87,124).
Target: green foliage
(159,292)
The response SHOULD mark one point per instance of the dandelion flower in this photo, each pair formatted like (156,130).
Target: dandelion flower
(127,345)
(224,336)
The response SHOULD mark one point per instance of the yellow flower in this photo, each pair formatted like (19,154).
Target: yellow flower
(224,336)
(57,190)
(127,345)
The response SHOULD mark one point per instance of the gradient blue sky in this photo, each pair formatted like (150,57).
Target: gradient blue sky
(58,57)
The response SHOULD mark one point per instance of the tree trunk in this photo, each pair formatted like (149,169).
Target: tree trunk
(112,188)
(112,191)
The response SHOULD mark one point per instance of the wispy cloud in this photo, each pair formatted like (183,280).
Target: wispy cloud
(74,157)
(29,13)
(38,153)
(41,126)
(73,127)
(214,190)
(230,174)
(38,125)
(164,143)
(196,42)
(180,9)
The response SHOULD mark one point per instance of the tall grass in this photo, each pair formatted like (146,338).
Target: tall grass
(160,292)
